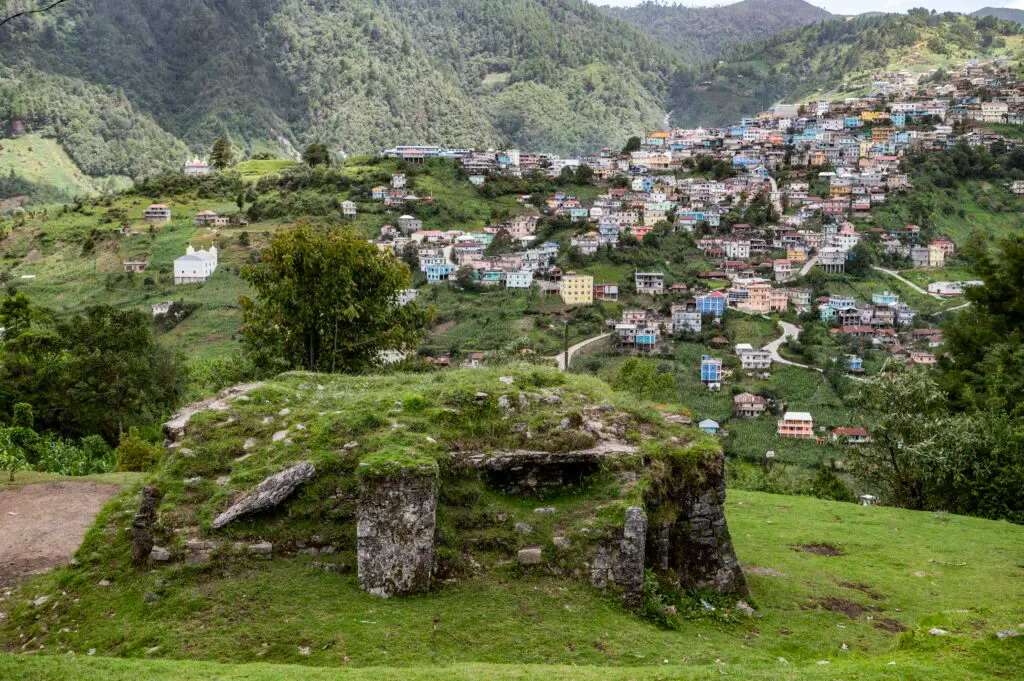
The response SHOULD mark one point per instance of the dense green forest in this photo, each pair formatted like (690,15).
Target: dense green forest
(824,56)
(703,33)
(357,75)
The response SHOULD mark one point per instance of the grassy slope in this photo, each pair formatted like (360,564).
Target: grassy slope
(43,162)
(919,570)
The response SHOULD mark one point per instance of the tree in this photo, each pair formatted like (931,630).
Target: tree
(316,155)
(584,174)
(905,454)
(95,372)
(326,300)
(632,144)
(222,155)
(645,379)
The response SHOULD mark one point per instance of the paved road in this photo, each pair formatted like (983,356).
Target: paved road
(789,331)
(909,283)
(808,265)
(560,358)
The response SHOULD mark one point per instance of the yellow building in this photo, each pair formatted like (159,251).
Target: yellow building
(936,256)
(577,289)
(796,254)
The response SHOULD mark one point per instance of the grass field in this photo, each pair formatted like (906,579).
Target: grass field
(43,162)
(125,480)
(898,570)
(254,170)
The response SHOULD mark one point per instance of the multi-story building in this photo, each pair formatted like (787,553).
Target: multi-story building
(711,372)
(577,289)
(752,359)
(157,213)
(796,424)
(652,283)
(686,319)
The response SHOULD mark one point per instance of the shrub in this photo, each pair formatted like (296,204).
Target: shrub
(135,454)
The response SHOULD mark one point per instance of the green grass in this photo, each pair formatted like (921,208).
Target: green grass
(254,170)
(44,162)
(126,481)
(920,570)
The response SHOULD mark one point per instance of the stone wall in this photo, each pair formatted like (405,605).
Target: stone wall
(396,524)
(621,560)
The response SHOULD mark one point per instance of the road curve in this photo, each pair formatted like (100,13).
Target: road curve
(909,283)
(560,357)
(789,331)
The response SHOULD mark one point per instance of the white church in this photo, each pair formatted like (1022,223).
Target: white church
(195,267)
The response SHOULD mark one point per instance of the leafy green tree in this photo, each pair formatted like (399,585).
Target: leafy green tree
(15,314)
(632,144)
(584,175)
(95,372)
(906,451)
(222,155)
(316,155)
(326,301)
(644,379)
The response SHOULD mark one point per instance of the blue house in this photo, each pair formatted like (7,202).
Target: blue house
(710,370)
(708,426)
(899,119)
(856,363)
(439,273)
(712,303)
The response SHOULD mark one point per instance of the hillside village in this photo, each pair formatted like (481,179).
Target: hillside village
(736,401)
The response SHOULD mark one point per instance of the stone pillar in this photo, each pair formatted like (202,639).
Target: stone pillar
(701,551)
(396,522)
(142,525)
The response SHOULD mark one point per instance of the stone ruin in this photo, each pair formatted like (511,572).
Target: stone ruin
(680,533)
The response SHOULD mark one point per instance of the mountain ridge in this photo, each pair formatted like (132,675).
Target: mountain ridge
(703,33)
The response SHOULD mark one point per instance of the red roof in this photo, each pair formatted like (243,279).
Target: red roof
(850,432)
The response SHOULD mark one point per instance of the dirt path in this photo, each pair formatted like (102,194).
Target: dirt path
(41,526)
(560,358)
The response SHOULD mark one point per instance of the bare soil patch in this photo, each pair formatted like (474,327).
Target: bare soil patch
(890,625)
(844,607)
(864,589)
(41,526)
(35,255)
(819,548)
(763,571)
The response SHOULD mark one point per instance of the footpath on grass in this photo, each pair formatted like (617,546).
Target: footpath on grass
(560,358)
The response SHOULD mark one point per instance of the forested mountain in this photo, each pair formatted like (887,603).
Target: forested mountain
(702,33)
(356,74)
(831,59)
(1007,13)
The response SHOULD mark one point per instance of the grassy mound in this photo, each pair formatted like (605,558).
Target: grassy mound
(854,587)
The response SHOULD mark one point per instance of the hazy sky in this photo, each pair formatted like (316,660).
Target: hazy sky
(846,7)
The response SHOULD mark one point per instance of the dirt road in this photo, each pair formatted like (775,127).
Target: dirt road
(41,526)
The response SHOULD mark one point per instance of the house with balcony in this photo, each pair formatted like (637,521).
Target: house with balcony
(711,372)
(747,406)
(650,283)
(798,425)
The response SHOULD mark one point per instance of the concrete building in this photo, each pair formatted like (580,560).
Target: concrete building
(577,289)
(796,424)
(195,267)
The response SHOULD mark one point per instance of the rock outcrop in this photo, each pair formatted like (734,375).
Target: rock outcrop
(268,493)
(396,524)
(174,430)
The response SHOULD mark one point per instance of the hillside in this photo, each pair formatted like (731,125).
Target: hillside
(833,58)
(360,75)
(1005,13)
(855,589)
(703,33)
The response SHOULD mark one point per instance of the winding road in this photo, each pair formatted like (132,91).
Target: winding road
(560,357)
(789,331)
(893,273)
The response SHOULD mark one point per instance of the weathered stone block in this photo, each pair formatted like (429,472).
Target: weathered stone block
(268,493)
(620,561)
(396,523)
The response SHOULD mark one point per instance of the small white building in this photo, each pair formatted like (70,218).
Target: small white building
(348,209)
(195,267)
(196,167)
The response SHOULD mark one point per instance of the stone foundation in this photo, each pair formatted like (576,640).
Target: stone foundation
(396,523)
